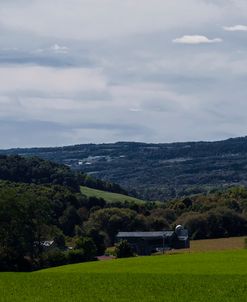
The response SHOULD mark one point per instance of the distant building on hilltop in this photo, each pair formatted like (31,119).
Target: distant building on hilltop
(146,243)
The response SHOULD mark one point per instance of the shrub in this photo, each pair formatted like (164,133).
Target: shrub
(245,243)
(88,246)
(76,256)
(124,249)
(59,241)
(110,251)
(54,257)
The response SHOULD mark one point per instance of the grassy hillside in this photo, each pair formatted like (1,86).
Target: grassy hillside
(211,263)
(213,276)
(108,196)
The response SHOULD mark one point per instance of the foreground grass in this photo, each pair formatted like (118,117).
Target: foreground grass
(108,196)
(214,276)
(124,287)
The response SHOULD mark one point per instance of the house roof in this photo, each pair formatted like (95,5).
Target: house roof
(47,243)
(145,234)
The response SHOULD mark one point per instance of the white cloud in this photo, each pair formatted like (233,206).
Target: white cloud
(196,39)
(59,49)
(135,109)
(235,28)
(56,48)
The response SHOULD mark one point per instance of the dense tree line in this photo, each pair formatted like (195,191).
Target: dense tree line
(33,214)
(36,212)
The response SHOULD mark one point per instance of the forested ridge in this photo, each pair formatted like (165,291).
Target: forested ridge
(156,171)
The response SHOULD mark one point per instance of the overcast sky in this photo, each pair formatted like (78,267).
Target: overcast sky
(81,71)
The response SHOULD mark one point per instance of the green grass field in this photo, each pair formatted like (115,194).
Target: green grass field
(108,196)
(209,276)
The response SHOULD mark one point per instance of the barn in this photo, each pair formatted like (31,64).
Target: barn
(146,243)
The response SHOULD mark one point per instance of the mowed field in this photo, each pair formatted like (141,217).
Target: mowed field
(207,276)
(208,245)
(108,196)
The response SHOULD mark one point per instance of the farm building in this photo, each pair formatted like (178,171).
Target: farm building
(145,243)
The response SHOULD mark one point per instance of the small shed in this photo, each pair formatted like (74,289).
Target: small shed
(146,243)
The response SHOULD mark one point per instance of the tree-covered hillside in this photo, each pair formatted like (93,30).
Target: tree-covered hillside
(39,171)
(157,171)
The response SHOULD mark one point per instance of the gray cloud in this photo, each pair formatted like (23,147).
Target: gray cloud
(84,74)
(50,134)
(58,57)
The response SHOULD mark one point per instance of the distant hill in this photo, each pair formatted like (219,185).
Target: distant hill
(156,171)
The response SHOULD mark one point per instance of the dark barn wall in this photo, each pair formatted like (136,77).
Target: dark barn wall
(146,246)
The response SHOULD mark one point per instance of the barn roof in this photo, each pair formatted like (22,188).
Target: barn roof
(145,234)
